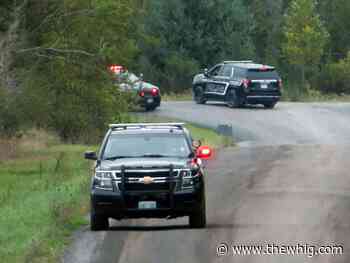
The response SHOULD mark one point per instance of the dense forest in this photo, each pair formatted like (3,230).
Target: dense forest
(54,54)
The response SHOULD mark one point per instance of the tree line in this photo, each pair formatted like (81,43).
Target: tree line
(306,39)
(54,54)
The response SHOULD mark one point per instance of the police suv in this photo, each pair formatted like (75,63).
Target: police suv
(147,170)
(238,83)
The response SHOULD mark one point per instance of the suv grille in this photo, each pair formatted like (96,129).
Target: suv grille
(132,186)
(147,188)
(141,174)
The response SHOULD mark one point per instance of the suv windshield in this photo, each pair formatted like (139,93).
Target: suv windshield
(127,78)
(146,145)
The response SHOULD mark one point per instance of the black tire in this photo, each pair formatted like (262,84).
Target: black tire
(198,219)
(270,105)
(150,108)
(98,222)
(198,95)
(232,99)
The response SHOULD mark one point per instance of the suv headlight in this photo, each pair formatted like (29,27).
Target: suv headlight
(185,173)
(187,180)
(103,180)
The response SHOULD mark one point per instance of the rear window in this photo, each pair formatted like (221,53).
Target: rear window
(256,74)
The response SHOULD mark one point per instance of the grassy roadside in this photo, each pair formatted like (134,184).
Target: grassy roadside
(312,95)
(44,197)
(288,96)
(185,96)
(44,193)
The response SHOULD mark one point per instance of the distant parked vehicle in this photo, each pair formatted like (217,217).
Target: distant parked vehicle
(238,83)
(148,94)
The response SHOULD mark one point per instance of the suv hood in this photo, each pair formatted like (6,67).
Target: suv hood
(198,77)
(143,163)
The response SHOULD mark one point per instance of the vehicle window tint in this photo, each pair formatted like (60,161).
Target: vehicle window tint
(126,78)
(135,145)
(215,71)
(226,71)
(133,78)
(240,73)
(137,85)
(272,74)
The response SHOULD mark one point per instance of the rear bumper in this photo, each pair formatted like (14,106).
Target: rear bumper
(118,206)
(150,102)
(262,97)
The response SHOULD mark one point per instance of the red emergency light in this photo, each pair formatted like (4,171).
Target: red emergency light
(117,69)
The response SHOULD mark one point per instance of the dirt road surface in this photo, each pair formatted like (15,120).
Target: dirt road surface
(288,184)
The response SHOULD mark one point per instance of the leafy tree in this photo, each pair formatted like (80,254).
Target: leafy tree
(198,33)
(267,29)
(305,36)
(63,64)
(335,76)
(336,13)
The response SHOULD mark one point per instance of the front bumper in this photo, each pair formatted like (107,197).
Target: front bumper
(117,205)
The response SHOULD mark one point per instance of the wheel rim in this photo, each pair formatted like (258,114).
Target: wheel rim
(232,98)
(198,95)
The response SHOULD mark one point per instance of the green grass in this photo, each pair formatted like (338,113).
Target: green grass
(316,96)
(44,192)
(290,94)
(185,96)
(295,94)
(208,137)
(43,198)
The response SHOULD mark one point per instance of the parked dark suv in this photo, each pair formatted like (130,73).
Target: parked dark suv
(238,83)
(148,171)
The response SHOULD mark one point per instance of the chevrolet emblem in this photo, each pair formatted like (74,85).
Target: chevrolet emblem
(147,180)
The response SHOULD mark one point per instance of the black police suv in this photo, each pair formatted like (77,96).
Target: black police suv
(148,171)
(238,83)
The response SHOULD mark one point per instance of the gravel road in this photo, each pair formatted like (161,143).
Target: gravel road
(287,184)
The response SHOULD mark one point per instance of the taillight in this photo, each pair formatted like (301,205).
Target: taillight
(280,83)
(154,92)
(246,83)
(142,93)
(204,152)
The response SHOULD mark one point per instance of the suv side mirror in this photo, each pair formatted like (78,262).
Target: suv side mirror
(204,152)
(206,72)
(196,144)
(90,155)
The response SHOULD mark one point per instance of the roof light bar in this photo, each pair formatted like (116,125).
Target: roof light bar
(143,125)
(239,61)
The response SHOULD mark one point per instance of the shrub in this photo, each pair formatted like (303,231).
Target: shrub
(335,77)
(178,73)
(9,121)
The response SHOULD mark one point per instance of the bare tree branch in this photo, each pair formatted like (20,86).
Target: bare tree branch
(56,15)
(56,50)
(81,12)
(45,20)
